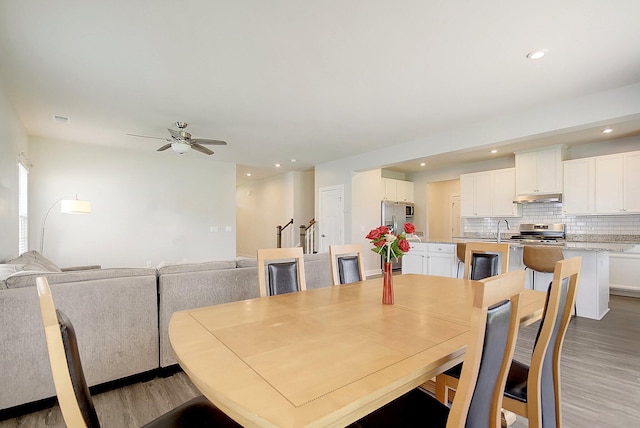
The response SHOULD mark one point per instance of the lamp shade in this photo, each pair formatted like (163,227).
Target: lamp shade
(75,206)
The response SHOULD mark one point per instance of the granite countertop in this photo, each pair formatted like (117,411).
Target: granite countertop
(616,247)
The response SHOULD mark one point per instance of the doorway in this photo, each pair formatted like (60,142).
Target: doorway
(455,216)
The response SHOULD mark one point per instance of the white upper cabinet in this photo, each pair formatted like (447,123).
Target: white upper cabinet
(397,190)
(488,194)
(404,191)
(579,186)
(617,178)
(602,185)
(539,171)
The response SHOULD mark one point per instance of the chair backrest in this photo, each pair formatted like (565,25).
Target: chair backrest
(346,263)
(479,260)
(541,258)
(283,277)
(543,382)
(68,377)
(495,319)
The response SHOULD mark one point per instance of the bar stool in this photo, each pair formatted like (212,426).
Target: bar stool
(461,247)
(540,258)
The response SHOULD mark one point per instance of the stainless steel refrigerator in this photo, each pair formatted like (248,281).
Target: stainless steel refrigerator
(394,216)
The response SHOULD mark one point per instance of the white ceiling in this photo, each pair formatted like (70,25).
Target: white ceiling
(311,81)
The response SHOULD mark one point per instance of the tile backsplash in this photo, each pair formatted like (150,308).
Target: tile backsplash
(578,228)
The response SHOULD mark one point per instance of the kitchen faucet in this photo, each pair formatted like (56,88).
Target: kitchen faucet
(498,232)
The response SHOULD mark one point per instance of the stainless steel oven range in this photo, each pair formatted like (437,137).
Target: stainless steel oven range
(553,233)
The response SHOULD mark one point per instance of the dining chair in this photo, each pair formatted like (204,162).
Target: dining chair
(492,337)
(281,277)
(346,263)
(71,386)
(533,391)
(481,259)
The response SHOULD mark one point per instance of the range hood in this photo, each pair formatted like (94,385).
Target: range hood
(538,199)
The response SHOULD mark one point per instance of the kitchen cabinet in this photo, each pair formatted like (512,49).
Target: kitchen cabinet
(539,171)
(404,191)
(579,186)
(617,178)
(488,194)
(397,190)
(430,259)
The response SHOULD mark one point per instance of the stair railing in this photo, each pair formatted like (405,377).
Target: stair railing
(279,230)
(308,237)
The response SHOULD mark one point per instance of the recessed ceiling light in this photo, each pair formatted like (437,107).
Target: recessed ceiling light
(607,131)
(494,151)
(422,164)
(293,160)
(248,174)
(537,54)
(277,165)
(61,119)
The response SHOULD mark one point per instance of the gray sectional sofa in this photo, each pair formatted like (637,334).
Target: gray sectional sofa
(121,315)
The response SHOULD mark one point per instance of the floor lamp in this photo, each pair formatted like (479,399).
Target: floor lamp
(67,206)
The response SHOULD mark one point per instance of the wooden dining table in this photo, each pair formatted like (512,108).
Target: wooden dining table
(328,356)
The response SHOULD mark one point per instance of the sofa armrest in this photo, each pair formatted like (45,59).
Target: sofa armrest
(74,268)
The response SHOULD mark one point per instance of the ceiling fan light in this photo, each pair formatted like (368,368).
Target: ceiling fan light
(180,147)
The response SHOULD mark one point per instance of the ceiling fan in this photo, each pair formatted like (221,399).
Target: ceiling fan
(181,141)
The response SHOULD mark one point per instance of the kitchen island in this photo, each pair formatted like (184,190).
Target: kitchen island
(592,300)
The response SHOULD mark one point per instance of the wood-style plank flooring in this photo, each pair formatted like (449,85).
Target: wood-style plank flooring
(600,379)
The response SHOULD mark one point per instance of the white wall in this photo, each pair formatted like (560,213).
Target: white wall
(13,141)
(147,207)
(366,215)
(264,204)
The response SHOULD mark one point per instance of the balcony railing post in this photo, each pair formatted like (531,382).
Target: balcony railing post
(279,236)
(303,240)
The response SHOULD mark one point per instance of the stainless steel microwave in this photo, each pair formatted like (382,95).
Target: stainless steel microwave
(409,210)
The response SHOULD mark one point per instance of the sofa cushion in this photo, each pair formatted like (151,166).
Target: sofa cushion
(28,278)
(165,268)
(246,262)
(33,260)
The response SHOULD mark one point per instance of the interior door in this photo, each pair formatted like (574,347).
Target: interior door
(331,217)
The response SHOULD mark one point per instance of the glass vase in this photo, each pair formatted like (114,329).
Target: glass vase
(387,287)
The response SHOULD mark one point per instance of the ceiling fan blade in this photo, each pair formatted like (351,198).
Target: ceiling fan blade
(210,142)
(175,134)
(146,136)
(201,149)
(165,147)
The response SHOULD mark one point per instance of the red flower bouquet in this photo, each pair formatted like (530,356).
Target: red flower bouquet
(389,245)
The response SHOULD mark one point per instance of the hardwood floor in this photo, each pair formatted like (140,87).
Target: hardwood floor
(600,379)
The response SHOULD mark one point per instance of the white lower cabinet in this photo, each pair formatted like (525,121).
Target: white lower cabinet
(430,259)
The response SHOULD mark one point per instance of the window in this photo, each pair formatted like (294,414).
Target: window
(23,212)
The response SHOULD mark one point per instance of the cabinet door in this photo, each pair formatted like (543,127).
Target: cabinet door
(579,180)
(408,191)
(504,191)
(632,182)
(484,194)
(608,184)
(413,263)
(441,264)
(526,173)
(389,189)
(548,171)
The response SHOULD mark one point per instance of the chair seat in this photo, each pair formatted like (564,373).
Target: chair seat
(516,386)
(198,412)
(416,407)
